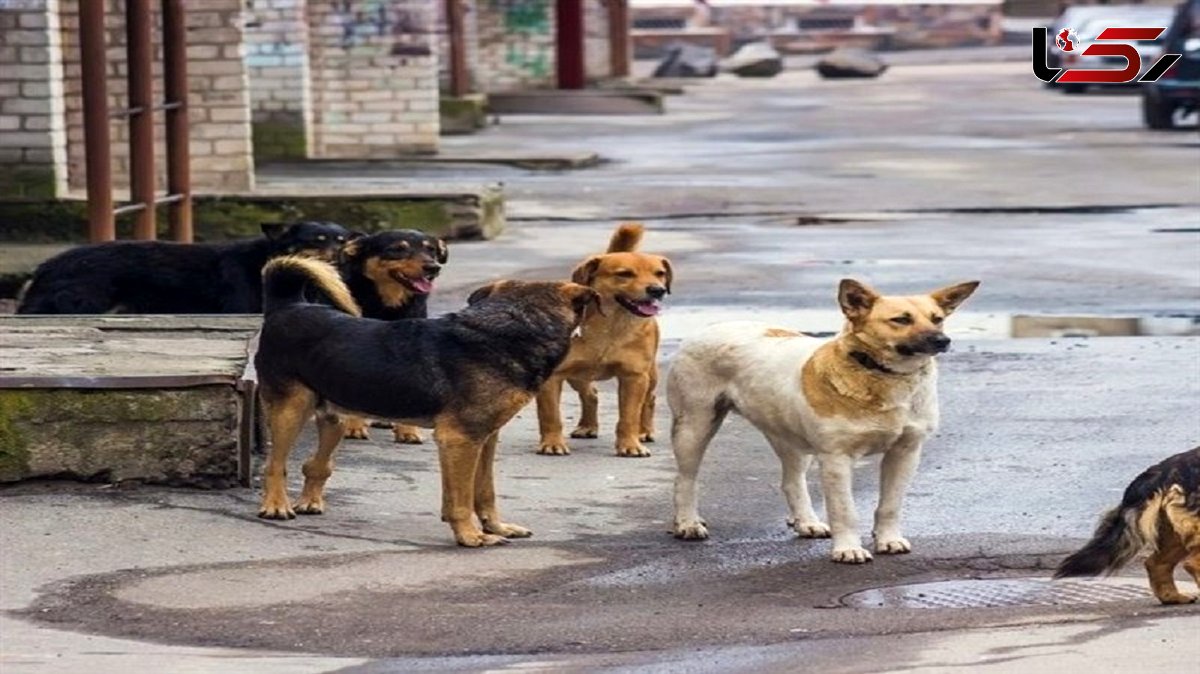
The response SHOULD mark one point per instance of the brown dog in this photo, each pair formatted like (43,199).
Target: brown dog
(1160,510)
(464,374)
(618,339)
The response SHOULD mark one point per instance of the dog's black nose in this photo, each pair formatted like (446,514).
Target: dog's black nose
(431,270)
(656,291)
(939,343)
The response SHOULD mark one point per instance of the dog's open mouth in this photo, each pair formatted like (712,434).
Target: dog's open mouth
(645,308)
(422,285)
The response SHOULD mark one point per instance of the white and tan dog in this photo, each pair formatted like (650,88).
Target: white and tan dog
(870,390)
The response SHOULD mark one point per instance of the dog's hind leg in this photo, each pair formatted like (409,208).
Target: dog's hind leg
(896,471)
(692,429)
(802,518)
(355,428)
(589,404)
(318,468)
(1187,527)
(1160,566)
(407,435)
(837,474)
(286,414)
(485,495)
(550,418)
(459,454)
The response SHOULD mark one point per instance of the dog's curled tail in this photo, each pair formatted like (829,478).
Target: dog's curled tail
(286,278)
(1122,533)
(627,237)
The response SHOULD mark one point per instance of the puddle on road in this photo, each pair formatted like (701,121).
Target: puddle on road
(682,322)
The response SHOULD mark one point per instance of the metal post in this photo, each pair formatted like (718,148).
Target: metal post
(618,37)
(459,84)
(140,51)
(94,64)
(176,92)
(570,37)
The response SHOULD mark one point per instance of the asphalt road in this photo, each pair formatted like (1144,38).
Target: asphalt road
(1038,435)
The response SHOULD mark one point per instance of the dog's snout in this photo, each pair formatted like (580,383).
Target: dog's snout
(431,269)
(656,291)
(938,342)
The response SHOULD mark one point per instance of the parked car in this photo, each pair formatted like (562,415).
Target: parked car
(1088,21)
(1178,90)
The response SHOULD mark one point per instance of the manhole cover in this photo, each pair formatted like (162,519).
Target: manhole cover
(995,593)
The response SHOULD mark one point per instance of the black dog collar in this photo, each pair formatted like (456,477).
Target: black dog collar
(862,358)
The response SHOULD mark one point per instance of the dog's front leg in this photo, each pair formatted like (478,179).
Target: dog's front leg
(897,468)
(459,454)
(550,418)
(485,495)
(631,394)
(837,472)
(589,409)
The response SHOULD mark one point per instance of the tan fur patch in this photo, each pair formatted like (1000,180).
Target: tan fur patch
(382,273)
(780,332)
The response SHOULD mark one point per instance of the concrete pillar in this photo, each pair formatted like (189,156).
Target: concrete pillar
(33,142)
(373,78)
(280,90)
(516,48)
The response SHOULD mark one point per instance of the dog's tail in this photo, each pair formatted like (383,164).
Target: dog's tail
(286,278)
(1122,533)
(626,238)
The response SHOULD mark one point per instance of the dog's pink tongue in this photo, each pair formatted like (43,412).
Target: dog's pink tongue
(650,308)
(422,285)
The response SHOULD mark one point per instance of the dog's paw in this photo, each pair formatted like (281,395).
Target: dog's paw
(356,432)
(554,447)
(506,530)
(851,555)
(478,539)
(646,436)
(314,506)
(276,509)
(585,432)
(632,449)
(1178,598)
(691,530)
(407,435)
(894,545)
(810,529)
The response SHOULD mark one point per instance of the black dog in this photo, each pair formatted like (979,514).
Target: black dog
(158,277)
(465,374)
(391,273)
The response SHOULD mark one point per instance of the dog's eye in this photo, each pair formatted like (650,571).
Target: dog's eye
(903,320)
(341,239)
(321,237)
(660,273)
(625,273)
(937,320)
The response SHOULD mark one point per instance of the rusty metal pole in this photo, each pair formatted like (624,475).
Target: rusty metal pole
(140,61)
(569,33)
(94,64)
(176,93)
(459,79)
(618,38)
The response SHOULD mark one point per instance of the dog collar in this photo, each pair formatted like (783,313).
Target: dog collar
(862,358)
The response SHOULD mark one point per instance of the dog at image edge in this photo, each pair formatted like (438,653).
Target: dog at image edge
(872,389)
(465,375)
(391,275)
(619,338)
(164,277)
(1160,511)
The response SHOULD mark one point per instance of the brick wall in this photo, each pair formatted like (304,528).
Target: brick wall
(373,77)
(595,24)
(218,88)
(32,137)
(515,44)
(277,65)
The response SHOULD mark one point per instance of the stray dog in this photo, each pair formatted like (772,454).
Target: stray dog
(870,390)
(465,374)
(619,339)
(160,277)
(391,275)
(1160,511)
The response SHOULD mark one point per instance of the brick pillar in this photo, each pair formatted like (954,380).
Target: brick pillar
(218,89)
(280,91)
(516,44)
(597,61)
(33,142)
(373,78)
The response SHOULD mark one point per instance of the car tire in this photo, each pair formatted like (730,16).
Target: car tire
(1157,113)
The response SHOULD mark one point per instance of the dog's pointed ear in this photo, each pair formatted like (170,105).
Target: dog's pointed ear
(950,297)
(480,294)
(670,273)
(585,273)
(443,252)
(855,299)
(581,296)
(273,230)
(350,249)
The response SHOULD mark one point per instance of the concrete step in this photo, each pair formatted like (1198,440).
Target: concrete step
(581,102)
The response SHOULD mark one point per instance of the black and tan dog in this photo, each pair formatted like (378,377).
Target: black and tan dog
(618,339)
(1161,511)
(464,374)
(159,277)
(391,275)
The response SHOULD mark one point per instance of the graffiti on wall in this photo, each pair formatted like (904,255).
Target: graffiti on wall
(527,23)
(396,28)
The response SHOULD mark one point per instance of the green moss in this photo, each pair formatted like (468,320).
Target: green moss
(279,140)
(463,115)
(27,183)
(14,446)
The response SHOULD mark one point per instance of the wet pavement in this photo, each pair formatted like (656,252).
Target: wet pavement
(1039,434)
